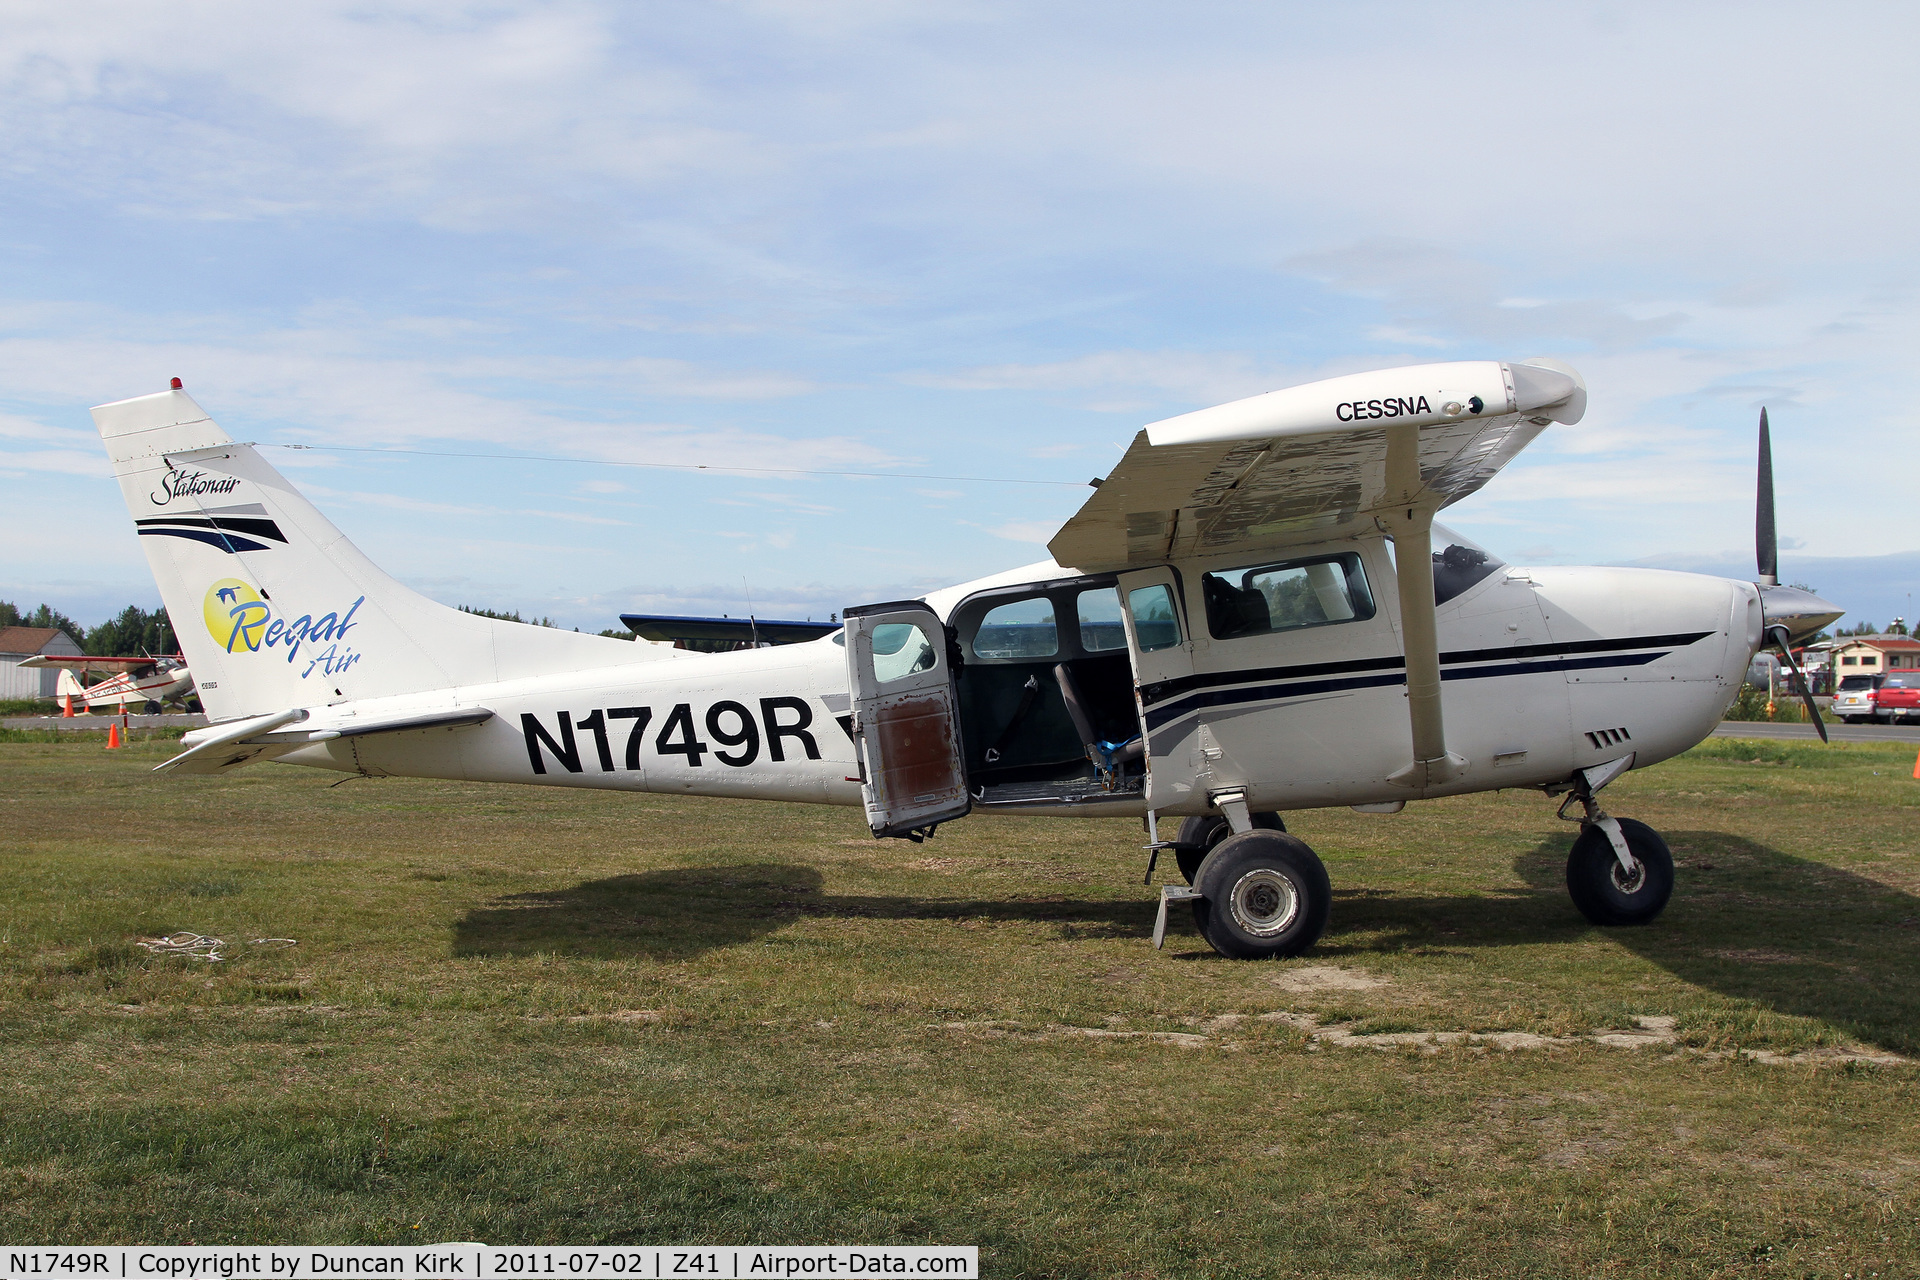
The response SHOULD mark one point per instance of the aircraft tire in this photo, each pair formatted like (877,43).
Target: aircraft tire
(1267,896)
(1595,882)
(1208,831)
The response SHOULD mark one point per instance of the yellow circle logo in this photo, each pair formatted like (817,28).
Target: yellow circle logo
(236,615)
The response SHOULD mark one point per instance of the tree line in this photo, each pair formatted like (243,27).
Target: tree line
(132,631)
(136,631)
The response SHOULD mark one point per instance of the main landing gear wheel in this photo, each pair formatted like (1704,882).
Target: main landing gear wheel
(1266,895)
(1201,834)
(1601,887)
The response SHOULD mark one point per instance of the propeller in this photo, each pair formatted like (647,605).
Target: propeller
(1766,545)
(1788,613)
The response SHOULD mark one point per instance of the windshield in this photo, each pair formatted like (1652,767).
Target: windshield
(1458,563)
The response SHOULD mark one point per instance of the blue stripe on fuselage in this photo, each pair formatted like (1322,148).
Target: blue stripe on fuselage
(1167,713)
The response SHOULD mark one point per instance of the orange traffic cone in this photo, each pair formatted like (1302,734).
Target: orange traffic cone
(113,737)
(68,713)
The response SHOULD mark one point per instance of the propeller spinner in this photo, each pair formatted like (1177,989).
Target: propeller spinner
(1790,614)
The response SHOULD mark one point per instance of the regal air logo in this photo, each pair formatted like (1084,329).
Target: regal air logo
(242,620)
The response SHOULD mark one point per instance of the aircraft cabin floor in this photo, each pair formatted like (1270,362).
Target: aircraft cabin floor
(518,1015)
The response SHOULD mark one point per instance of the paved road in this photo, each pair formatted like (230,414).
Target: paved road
(80,724)
(1908,733)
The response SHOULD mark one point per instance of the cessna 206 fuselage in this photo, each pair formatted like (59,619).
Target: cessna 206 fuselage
(1234,641)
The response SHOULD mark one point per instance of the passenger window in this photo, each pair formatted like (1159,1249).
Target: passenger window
(1100,625)
(1155,624)
(899,650)
(1286,596)
(1022,629)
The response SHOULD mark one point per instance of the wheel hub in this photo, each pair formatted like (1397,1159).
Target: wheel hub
(1627,882)
(1263,902)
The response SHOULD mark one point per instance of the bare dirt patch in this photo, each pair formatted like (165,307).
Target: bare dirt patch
(1310,978)
(1654,1031)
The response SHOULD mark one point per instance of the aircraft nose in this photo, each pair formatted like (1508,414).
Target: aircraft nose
(1802,613)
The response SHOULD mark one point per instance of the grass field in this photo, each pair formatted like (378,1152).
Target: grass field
(517,1015)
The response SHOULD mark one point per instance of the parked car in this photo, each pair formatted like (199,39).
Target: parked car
(1897,700)
(1889,698)
(1853,701)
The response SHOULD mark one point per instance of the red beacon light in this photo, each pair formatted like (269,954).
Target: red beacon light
(176,385)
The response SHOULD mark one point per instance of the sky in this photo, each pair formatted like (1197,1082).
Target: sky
(975,244)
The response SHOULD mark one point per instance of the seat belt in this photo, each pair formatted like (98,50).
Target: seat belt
(1029,694)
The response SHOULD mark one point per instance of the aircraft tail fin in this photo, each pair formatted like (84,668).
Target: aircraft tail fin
(273,606)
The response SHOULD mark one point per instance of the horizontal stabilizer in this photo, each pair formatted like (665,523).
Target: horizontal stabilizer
(448,720)
(230,746)
(668,627)
(220,747)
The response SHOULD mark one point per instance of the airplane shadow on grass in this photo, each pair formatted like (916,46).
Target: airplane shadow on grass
(681,912)
(1747,921)
(1787,933)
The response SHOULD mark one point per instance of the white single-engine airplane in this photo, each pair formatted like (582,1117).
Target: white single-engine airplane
(1233,640)
(143,682)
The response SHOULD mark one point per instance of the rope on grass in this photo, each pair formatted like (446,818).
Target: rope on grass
(194,946)
(202,946)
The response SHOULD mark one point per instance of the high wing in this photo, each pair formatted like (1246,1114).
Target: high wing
(1378,451)
(1310,463)
(92,664)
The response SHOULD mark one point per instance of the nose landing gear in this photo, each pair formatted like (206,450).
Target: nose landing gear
(1619,871)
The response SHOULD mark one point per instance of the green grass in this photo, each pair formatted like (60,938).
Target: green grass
(1752,702)
(516,1014)
(28,707)
(162,733)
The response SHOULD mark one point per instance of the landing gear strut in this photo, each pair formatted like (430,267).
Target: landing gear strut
(1198,836)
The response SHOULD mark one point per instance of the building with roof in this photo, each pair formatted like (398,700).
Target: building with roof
(1875,655)
(17,644)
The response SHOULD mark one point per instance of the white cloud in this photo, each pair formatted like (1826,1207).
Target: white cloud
(954,238)
(1203,377)
(69,461)
(1036,531)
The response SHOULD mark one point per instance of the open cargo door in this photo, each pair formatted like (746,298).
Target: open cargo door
(912,769)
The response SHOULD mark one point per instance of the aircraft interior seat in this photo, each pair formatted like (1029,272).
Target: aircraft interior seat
(1235,611)
(1106,754)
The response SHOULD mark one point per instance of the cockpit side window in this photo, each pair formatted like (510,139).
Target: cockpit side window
(1100,625)
(1310,592)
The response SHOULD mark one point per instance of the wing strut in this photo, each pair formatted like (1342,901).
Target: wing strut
(1412,529)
